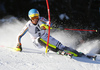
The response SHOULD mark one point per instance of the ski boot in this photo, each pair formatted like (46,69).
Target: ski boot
(64,53)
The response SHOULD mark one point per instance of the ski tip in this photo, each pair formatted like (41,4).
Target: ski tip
(94,58)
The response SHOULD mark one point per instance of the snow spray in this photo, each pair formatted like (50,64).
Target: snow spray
(10,28)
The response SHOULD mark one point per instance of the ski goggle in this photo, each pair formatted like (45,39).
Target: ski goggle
(32,18)
(33,15)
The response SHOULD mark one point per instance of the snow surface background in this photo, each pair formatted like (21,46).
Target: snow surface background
(33,58)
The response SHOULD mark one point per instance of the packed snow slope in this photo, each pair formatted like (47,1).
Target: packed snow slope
(33,58)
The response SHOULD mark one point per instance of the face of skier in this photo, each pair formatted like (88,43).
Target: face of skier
(34,20)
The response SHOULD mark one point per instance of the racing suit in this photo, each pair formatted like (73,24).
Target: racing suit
(39,36)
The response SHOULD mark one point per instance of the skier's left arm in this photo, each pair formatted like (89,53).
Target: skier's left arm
(45,24)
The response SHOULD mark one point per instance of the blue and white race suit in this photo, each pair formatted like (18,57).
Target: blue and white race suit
(36,32)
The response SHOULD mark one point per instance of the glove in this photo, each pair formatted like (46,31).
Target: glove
(18,47)
(43,28)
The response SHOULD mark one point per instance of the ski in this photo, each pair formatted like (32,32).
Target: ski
(59,52)
(83,55)
(91,57)
(14,49)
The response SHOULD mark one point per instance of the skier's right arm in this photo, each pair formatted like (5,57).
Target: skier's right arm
(24,30)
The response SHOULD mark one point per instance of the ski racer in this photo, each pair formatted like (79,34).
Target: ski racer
(36,27)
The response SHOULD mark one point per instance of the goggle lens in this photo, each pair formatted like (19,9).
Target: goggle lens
(32,18)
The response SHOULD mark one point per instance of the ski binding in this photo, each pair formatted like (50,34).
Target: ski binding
(65,53)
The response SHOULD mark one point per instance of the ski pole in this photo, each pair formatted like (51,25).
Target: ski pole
(49,26)
(75,29)
(80,30)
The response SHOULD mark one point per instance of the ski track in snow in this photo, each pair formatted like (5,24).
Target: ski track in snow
(36,60)
(32,58)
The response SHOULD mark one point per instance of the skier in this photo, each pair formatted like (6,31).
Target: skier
(36,27)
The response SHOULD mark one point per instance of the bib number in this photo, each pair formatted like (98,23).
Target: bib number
(37,30)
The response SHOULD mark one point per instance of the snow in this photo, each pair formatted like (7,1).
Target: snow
(33,58)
